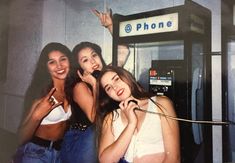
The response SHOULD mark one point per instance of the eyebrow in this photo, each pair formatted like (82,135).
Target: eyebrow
(111,79)
(83,57)
(92,52)
(51,59)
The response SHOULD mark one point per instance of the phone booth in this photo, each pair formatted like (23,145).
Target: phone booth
(170,54)
(228,78)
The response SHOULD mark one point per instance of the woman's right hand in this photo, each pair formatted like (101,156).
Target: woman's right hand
(46,105)
(128,109)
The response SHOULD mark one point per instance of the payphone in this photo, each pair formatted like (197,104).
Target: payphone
(170,54)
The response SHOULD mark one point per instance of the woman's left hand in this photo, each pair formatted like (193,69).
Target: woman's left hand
(87,77)
(105,17)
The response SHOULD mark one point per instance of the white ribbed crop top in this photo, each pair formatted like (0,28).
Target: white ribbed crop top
(149,138)
(57,115)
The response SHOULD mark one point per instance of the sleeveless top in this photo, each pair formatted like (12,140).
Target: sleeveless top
(78,116)
(58,114)
(148,140)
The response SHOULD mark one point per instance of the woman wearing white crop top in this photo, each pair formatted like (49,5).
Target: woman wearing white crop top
(43,127)
(130,135)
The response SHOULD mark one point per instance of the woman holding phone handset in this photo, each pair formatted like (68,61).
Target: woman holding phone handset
(44,125)
(126,132)
(80,140)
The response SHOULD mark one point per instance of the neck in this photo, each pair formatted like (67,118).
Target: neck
(59,85)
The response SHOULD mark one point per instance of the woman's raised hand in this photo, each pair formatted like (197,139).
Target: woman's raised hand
(104,17)
(128,106)
(87,77)
(46,105)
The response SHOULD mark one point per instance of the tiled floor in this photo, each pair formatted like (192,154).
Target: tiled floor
(8,143)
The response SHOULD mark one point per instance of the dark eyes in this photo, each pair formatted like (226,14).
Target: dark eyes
(116,78)
(84,60)
(107,88)
(94,54)
(63,58)
(52,61)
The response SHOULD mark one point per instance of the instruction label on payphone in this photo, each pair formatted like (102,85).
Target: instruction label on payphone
(161,82)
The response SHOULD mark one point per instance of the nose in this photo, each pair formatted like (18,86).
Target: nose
(58,64)
(92,60)
(114,87)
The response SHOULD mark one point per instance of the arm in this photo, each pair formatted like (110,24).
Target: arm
(109,150)
(170,131)
(29,125)
(106,21)
(38,111)
(83,96)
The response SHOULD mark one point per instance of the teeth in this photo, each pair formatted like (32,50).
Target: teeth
(60,71)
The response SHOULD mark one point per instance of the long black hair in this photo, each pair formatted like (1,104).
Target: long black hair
(73,77)
(105,104)
(41,81)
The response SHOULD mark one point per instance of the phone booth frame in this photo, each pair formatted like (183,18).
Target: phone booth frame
(194,24)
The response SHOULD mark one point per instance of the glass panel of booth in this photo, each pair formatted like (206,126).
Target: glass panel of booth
(231,79)
(231,93)
(142,54)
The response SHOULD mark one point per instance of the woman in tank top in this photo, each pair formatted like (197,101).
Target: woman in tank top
(44,124)
(127,134)
(79,143)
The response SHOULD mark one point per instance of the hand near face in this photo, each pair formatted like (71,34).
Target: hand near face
(128,108)
(87,77)
(46,105)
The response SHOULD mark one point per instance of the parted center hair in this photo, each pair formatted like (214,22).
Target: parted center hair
(41,82)
(106,105)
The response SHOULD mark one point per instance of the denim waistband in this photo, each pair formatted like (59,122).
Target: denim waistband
(47,143)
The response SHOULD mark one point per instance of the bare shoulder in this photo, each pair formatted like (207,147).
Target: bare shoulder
(107,120)
(163,100)
(165,104)
(81,86)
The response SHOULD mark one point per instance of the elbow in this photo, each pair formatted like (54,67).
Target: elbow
(176,159)
(107,159)
(172,159)
(103,159)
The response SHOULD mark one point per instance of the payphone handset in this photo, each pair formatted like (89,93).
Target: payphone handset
(161,81)
(196,108)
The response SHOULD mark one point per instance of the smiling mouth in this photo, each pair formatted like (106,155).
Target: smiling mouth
(120,92)
(60,71)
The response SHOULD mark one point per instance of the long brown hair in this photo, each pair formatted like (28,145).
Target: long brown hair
(105,104)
